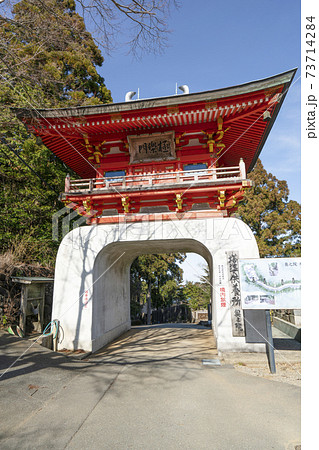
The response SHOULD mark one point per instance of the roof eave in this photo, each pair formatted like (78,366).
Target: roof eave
(272,121)
(182,99)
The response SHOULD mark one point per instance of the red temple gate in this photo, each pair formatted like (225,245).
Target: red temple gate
(182,153)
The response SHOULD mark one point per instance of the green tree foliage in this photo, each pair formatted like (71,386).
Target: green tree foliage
(26,203)
(274,220)
(47,59)
(171,292)
(164,275)
(197,294)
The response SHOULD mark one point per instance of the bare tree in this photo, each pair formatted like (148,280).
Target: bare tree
(47,56)
(144,23)
(39,40)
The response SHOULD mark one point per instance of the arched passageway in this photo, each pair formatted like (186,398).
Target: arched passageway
(92,280)
(111,291)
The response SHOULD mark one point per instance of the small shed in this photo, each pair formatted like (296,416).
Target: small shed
(32,300)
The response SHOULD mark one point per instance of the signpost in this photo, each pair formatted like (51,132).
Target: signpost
(270,344)
(270,283)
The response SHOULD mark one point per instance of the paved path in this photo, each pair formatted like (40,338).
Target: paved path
(149,390)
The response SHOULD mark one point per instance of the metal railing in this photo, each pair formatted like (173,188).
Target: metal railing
(147,180)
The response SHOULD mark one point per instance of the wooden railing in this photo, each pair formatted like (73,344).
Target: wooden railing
(147,180)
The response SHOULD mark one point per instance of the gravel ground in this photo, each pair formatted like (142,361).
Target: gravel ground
(285,372)
(287,359)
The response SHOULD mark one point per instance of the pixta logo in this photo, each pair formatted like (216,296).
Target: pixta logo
(68,218)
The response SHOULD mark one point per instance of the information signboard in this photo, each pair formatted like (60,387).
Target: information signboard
(270,283)
(154,147)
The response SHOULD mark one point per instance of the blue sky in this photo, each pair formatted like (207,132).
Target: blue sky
(218,44)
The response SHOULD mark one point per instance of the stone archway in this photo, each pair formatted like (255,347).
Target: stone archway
(91,290)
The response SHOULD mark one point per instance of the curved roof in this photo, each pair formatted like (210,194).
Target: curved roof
(241,107)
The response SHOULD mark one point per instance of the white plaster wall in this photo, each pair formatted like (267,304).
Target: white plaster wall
(111,291)
(91,289)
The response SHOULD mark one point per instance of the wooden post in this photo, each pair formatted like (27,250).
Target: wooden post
(41,309)
(149,304)
(237,315)
(23,307)
(242,169)
(67,184)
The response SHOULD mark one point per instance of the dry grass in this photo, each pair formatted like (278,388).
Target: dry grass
(17,261)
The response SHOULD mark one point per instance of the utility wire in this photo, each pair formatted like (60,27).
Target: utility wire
(5,142)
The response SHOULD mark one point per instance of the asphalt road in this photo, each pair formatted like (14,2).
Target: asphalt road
(149,390)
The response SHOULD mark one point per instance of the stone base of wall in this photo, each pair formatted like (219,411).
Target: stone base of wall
(110,336)
(287,328)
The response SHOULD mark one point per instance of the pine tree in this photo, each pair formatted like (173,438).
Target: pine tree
(274,219)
